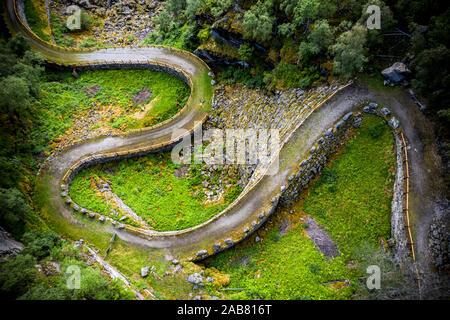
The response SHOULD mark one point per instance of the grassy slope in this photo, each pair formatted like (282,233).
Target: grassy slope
(353,198)
(353,205)
(148,185)
(63,95)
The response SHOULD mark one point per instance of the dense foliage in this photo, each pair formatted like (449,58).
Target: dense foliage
(33,275)
(20,86)
(168,197)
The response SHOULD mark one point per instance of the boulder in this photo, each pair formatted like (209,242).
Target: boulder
(144,272)
(396,73)
(394,123)
(196,279)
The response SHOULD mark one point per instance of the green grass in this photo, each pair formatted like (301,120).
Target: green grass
(35,21)
(64,95)
(126,257)
(149,187)
(290,268)
(351,200)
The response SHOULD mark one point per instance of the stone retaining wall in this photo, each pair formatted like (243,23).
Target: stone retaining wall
(311,166)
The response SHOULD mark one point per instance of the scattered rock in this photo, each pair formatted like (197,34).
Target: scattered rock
(196,279)
(396,73)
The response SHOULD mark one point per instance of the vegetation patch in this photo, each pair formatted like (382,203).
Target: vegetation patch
(41,272)
(351,200)
(166,195)
(103,100)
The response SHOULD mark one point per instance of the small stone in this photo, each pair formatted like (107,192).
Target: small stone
(101,219)
(196,279)
(257,239)
(68,201)
(64,194)
(246,230)
(201,253)
(385,111)
(261,215)
(347,116)
(175,262)
(228,242)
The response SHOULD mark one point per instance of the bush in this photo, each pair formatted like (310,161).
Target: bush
(377,130)
(40,244)
(13,211)
(16,274)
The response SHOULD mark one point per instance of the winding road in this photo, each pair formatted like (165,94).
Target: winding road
(425,180)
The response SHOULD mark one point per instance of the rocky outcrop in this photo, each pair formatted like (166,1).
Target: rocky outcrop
(396,73)
(8,245)
(320,238)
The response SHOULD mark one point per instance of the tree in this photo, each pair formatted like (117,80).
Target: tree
(192,7)
(15,96)
(19,45)
(190,38)
(286,29)
(259,21)
(349,52)
(432,77)
(13,210)
(320,38)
